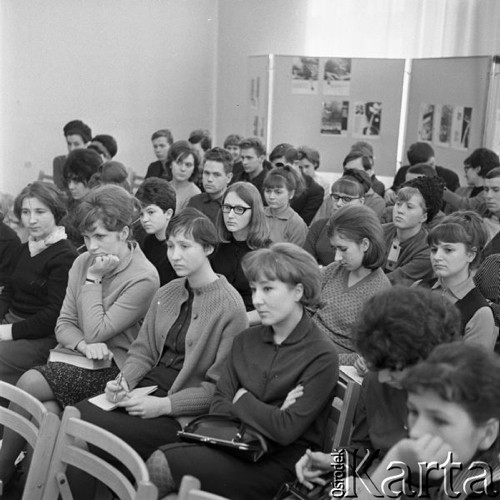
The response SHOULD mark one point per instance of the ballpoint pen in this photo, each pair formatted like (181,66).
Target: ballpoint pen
(119,381)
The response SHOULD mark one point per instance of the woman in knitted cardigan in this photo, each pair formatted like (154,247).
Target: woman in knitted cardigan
(182,344)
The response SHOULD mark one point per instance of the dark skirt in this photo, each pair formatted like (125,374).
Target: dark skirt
(72,384)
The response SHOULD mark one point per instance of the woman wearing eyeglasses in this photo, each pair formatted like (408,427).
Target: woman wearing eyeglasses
(242,227)
(347,190)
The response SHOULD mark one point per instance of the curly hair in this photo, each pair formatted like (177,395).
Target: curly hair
(400,326)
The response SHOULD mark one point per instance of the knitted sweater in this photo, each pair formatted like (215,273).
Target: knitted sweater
(269,371)
(318,244)
(414,261)
(110,311)
(217,316)
(10,245)
(287,226)
(36,289)
(342,305)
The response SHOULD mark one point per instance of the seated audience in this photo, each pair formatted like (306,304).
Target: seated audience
(162,140)
(10,245)
(345,191)
(279,378)
(472,197)
(421,152)
(241,227)
(183,161)
(397,328)
(366,149)
(456,245)
(216,175)
(181,347)
(157,199)
(281,185)
(105,145)
(453,414)
(254,164)
(77,135)
(31,301)
(357,237)
(201,140)
(491,218)
(109,290)
(406,238)
(309,162)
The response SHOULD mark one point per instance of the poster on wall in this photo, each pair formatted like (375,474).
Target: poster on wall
(426,122)
(443,116)
(334,117)
(305,71)
(337,76)
(460,129)
(367,119)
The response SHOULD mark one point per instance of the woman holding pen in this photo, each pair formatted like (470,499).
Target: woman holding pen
(109,290)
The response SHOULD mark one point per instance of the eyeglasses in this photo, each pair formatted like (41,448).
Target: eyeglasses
(345,199)
(238,209)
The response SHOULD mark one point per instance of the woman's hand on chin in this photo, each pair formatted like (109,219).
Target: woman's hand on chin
(103,264)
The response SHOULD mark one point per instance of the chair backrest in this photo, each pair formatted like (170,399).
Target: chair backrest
(42,176)
(135,181)
(341,418)
(72,449)
(190,490)
(40,431)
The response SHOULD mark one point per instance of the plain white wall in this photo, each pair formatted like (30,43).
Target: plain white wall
(124,67)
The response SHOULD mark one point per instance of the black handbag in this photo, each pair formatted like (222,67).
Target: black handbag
(227,433)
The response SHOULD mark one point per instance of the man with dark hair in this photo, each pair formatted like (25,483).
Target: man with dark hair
(157,198)
(105,145)
(254,164)
(201,140)
(472,196)
(217,173)
(77,135)
(421,152)
(162,140)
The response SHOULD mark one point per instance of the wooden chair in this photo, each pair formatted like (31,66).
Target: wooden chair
(39,430)
(42,176)
(190,490)
(344,403)
(71,450)
(135,181)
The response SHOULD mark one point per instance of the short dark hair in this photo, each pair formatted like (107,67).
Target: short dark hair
(46,193)
(419,152)
(422,169)
(254,143)
(233,140)
(179,151)
(221,156)
(201,136)
(484,158)
(355,223)
(354,154)
(107,142)
(466,374)
(77,127)
(310,154)
(349,186)
(156,191)
(195,224)
(400,326)
(109,204)
(359,176)
(279,151)
(288,263)
(284,176)
(464,226)
(81,165)
(164,132)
